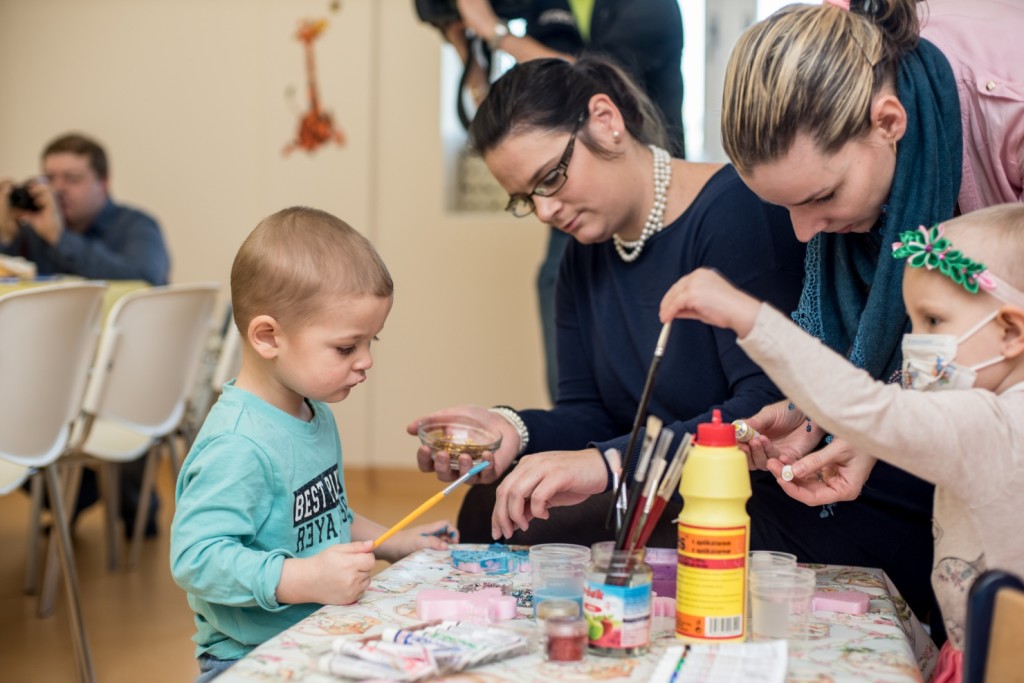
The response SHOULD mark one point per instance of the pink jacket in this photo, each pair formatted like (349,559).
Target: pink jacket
(984,43)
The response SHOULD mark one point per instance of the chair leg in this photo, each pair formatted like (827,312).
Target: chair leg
(145,500)
(72,475)
(179,449)
(34,532)
(111,495)
(60,531)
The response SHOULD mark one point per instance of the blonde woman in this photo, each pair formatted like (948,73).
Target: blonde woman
(864,119)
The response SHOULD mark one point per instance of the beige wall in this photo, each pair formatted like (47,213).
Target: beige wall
(191,98)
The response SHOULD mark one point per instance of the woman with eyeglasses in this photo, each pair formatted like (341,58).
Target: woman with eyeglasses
(578,145)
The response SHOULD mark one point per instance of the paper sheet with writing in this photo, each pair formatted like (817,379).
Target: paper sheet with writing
(723,663)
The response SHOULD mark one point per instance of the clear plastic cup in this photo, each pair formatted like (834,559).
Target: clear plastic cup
(558,571)
(780,603)
(771,559)
(766,560)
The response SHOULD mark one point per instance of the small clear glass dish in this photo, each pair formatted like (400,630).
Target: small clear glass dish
(457,437)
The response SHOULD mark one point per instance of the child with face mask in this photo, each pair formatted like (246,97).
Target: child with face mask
(963,427)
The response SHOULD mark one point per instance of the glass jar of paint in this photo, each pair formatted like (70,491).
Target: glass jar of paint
(617,602)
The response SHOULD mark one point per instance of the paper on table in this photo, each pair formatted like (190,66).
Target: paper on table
(723,663)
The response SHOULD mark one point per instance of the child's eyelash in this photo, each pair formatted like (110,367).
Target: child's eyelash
(822,200)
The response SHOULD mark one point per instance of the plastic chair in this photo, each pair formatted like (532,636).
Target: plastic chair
(994,633)
(144,371)
(229,362)
(49,341)
(221,363)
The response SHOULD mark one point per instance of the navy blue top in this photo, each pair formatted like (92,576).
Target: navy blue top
(122,243)
(608,326)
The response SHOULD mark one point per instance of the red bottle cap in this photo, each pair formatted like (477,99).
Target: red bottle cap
(716,432)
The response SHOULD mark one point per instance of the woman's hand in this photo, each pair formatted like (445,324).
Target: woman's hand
(785,432)
(440,462)
(455,34)
(833,474)
(479,16)
(546,480)
(707,296)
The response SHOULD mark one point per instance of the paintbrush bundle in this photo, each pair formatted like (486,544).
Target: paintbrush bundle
(638,421)
(654,483)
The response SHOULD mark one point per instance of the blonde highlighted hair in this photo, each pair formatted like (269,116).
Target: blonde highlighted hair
(294,259)
(811,69)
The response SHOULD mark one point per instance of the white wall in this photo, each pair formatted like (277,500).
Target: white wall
(191,99)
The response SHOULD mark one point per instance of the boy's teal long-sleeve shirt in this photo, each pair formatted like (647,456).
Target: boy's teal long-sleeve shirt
(258,486)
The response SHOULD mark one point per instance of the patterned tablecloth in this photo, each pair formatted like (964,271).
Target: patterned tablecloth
(886,644)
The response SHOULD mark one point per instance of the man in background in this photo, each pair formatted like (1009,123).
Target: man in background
(645,37)
(74,226)
(66,223)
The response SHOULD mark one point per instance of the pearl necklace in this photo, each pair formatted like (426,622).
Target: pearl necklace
(629,251)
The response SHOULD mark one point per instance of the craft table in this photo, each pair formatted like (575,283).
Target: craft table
(887,644)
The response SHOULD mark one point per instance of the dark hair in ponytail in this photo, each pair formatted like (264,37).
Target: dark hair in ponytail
(550,95)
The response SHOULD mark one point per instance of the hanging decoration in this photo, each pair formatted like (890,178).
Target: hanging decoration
(316,126)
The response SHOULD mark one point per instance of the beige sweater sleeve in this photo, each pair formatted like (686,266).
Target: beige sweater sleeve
(963,441)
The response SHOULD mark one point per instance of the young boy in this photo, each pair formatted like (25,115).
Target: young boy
(962,292)
(263,533)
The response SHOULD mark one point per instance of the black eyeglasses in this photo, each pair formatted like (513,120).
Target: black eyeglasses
(521,205)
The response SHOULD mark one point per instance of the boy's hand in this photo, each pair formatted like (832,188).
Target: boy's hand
(435,535)
(707,296)
(337,575)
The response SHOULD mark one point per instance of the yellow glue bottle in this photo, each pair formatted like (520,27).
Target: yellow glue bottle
(714,538)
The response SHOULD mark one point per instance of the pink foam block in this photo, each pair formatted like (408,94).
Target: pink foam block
(848,602)
(484,606)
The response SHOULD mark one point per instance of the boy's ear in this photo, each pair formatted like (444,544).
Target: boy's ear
(1011,319)
(262,335)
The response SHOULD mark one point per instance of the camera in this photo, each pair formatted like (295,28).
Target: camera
(441,12)
(20,198)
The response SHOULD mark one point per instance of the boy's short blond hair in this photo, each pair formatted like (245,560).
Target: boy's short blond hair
(294,259)
(993,236)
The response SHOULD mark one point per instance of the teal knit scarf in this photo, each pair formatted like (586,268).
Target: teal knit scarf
(852,297)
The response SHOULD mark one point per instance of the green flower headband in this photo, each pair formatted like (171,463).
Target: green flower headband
(927,248)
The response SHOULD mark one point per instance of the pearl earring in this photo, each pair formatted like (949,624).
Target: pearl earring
(615,134)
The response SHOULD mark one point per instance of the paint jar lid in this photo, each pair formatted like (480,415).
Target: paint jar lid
(565,627)
(557,609)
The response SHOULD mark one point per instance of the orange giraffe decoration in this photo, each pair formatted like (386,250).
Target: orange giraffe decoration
(316,127)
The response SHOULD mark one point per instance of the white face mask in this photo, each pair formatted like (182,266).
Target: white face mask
(928,360)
